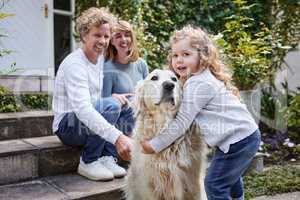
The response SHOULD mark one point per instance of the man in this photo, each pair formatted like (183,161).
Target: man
(81,118)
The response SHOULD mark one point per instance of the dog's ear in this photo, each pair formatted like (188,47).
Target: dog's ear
(138,103)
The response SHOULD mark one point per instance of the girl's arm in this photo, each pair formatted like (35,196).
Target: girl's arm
(196,95)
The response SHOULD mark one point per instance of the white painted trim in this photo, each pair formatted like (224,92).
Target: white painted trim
(73,42)
(50,26)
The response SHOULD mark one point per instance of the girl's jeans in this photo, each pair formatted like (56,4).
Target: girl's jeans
(224,177)
(73,132)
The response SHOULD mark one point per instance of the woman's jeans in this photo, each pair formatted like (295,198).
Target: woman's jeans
(224,177)
(73,132)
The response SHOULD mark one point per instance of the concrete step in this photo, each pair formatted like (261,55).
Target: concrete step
(67,186)
(26,159)
(25,124)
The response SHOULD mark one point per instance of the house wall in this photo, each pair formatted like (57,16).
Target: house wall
(29,37)
(31,40)
(290,72)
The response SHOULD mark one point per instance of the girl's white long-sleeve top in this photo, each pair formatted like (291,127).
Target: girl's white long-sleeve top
(222,118)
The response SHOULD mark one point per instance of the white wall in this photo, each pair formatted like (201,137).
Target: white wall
(29,36)
(291,73)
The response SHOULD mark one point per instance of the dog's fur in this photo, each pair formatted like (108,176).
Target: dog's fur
(177,172)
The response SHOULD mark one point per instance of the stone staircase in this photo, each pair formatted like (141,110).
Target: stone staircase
(34,164)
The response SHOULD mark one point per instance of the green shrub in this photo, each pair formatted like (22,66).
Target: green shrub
(276,180)
(247,50)
(8,101)
(36,101)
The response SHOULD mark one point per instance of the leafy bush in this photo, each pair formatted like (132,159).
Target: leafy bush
(36,101)
(16,103)
(8,101)
(247,50)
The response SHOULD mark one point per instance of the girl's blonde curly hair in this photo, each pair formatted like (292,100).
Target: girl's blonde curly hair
(207,51)
(125,26)
(93,17)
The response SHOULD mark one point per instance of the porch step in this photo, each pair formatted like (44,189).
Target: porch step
(27,159)
(25,124)
(63,187)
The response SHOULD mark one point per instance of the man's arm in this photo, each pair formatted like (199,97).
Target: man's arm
(77,88)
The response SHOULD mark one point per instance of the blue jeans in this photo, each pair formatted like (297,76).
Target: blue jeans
(224,177)
(73,132)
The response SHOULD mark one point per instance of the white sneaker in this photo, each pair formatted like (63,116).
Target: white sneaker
(94,171)
(110,163)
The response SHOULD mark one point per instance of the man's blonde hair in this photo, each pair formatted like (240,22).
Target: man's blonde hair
(207,51)
(125,26)
(93,17)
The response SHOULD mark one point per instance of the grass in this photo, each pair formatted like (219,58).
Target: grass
(275,180)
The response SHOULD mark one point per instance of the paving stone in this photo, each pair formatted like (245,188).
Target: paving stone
(11,147)
(44,142)
(26,159)
(25,124)
(18,161)
(54,157)
(33,190)
(285,196)
(58,161)
(78,187)
(20,167)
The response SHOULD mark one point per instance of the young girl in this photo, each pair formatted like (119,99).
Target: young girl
(210,101)
(122,70)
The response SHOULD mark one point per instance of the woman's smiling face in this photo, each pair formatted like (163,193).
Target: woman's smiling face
(122,41)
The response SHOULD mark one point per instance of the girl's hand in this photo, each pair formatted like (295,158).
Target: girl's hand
(122,98)
(146,147)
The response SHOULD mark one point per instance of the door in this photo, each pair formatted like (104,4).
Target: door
(63,29)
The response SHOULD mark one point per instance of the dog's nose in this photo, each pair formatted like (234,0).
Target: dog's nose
(169,86)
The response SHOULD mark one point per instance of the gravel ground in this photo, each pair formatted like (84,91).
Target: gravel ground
(286,196)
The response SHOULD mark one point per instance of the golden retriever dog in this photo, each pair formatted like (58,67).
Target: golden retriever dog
(177,172)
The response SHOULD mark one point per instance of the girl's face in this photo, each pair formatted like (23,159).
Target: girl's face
(122,41)
(185,59)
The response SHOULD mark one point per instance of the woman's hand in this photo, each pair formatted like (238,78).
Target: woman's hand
(146,147)
(122,98)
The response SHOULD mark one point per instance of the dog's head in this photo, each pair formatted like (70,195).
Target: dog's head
(159,92)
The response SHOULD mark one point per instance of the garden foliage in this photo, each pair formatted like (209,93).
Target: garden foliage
(10,102)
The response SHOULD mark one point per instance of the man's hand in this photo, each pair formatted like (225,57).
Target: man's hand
(122,98)
(124,147)
(146,147)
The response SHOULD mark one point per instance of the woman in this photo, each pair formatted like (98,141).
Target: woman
(122,70)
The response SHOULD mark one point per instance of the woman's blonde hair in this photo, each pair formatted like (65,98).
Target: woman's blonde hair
(207,51)
(124,26)
(93,17)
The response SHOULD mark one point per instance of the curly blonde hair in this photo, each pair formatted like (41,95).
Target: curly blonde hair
(207,51)
(124,26)
(93,17)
